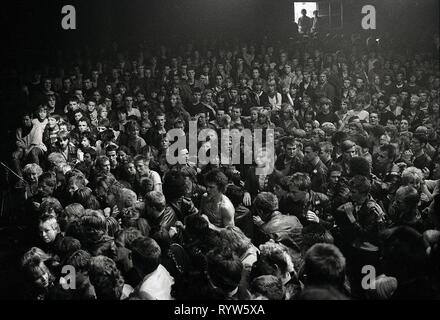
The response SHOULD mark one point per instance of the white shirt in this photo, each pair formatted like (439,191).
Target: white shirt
(158,284)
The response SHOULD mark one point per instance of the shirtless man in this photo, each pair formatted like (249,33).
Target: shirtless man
(215,206)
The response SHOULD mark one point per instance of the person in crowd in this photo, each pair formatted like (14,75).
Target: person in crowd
(355,177)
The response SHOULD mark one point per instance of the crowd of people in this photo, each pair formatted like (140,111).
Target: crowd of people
(355,183)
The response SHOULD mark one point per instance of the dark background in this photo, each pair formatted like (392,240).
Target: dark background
(28,26)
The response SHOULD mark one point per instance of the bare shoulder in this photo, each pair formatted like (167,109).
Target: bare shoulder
(227,204)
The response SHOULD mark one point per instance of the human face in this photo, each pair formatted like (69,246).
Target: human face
(416,146)
(307,127)
(374,120)
(254,115)
(324,155)
(142,167)
(382,158)
(131,168)
(48,230)
(165,143)
(85,143)
(129,102)
(78,116)
(350,153)
(291,150)
(393,101)
(335,176)
(103,113)
(185,155)
(45,190)
(88,158)
(197,97)
(91,106)
(106,166)
(52,122)
(404,125)
(41,276)
(42,114)
(32,177)
(82,126)
(87,84)
(72,188)
(122,156)
(309,154)
(64,142)
(357,197)
(212,190)
(27,121)
(436,171)
(112,156)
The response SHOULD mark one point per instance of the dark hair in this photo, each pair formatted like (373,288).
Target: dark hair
(390,149)
(48,178)
(174,185)
(321,293)
(324,264)
(105,278)
(80,260)
(312,145)
(360,183)
(218,177)
(146,254)
(67,246)
(224,269)
(359,166)
(268,286)
(235,194)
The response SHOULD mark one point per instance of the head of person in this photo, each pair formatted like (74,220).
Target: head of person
(216,182)
(31,172)
(359,166)
(274,259)
(142,164)
(174,185)
(348,149)
(334,174)
(418,142)
(324,265)
(36,273)
(72,212)
(224,269)
(236,240)
(146,255)
(106,278)
(325,151)
(267,287)
(155,204)
(94,225)
(265,203)
(387,154)
(48,228)
(412,176)
(47,183)
(406,201)
(360,188)
(311,152)
(404,254)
